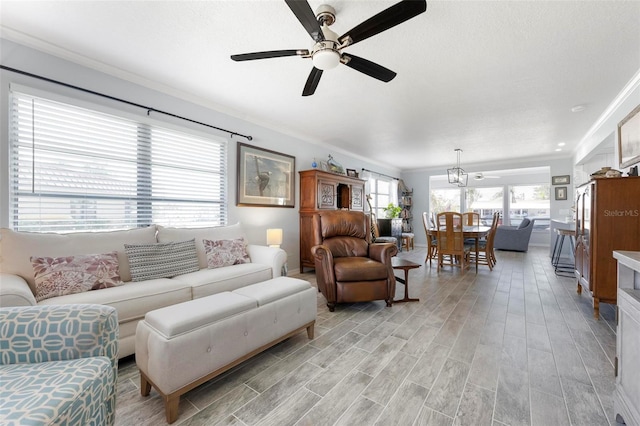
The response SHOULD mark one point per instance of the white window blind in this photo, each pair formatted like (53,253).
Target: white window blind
(76,169)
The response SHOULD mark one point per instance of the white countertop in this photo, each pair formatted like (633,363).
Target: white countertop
(569,223)
(630,259)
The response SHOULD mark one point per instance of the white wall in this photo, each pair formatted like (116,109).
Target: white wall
(599,147)
(255,219)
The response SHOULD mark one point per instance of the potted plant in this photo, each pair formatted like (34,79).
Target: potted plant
(392,211)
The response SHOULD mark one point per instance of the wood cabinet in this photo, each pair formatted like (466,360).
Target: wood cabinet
(626,399)
(391,227)
(320,190)
(607,219)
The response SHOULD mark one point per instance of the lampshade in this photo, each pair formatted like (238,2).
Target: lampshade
(457,176)
(274,237)
(326,59)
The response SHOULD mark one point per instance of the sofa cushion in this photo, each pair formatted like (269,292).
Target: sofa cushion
(226,252)
(230,232)
(57,392)
(348,246)
(359,269)
(272,290)
(57,276)
(161,260)
(132,300)
(206,282)
(185,317)
(16,248)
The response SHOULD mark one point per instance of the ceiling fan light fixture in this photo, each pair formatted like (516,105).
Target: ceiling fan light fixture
(326,58)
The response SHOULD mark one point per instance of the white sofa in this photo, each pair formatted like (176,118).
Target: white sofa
(133,299)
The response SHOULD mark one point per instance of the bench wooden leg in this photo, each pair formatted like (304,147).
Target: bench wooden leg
(310,331)
(171,403)
(145,386)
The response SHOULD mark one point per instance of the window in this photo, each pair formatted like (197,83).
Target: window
(76,169)
(380,196)
(530,201)
(485,202)
(445,200)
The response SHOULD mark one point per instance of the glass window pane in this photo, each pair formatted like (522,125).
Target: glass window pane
(485,202)
(380,196)
(445,200)
(75,169)
(530,201)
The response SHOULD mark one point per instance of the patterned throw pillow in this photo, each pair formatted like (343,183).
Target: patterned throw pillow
(58,276)
(162,260)
(225,252)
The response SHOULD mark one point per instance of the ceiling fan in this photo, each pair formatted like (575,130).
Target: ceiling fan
(326,53)
(482,176)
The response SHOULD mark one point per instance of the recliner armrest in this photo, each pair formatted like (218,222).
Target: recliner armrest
(382,252)
(325,275)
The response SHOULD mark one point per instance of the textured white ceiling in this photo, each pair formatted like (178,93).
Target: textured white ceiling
(495,78)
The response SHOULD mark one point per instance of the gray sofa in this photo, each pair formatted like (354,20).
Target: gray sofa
(514,238)
(135,298)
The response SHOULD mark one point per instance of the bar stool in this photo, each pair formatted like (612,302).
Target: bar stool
(563,268)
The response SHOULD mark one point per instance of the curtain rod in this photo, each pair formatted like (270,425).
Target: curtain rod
(380,174)
(149,109)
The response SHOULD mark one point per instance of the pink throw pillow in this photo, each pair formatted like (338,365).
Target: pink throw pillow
(74,274)
(225,252)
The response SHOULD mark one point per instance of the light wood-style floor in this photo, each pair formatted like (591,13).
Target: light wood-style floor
(515,346)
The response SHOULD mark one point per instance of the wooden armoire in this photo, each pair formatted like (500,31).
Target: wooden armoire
(320,191)
(607,219)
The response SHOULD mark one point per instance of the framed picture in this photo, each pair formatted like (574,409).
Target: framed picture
(324,166)
(560,180)
(629,139)
(265,178)
(561,193)
(352,173)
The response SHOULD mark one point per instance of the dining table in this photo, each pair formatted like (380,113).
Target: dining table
(469,231)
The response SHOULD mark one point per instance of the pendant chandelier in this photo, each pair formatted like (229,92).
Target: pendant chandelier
(457,175)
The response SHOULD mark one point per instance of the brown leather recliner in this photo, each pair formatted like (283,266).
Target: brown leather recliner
(348,267)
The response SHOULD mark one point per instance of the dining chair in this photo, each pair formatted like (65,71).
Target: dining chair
(471,218)
(486,255)
(494,226)
(451,240)
(432,242)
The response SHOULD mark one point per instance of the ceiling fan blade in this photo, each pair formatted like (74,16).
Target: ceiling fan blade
(307,18)
(369,68)
(388,18)
(268,54)
(312,82)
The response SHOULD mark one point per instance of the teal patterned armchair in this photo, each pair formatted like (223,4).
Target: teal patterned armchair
(58,365)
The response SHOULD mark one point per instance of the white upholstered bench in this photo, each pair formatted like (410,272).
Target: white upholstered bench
(182,346)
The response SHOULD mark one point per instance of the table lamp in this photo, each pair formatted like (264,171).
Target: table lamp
(274,237)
